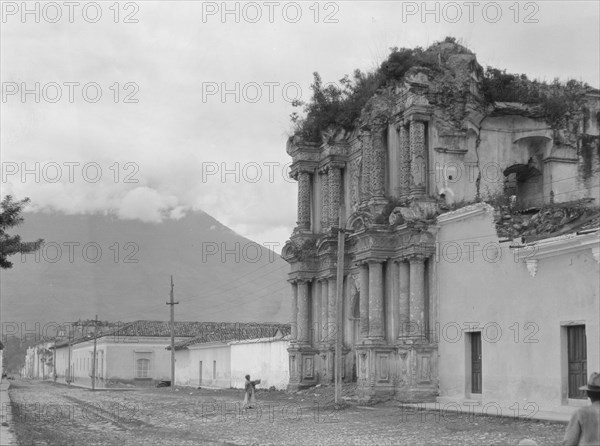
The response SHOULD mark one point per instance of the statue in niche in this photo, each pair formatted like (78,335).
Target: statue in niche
(355,284)
(355,179)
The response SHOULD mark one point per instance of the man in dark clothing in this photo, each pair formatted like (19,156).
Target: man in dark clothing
(584,427)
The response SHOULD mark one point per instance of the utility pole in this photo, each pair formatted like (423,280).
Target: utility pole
(68,376)
(339,320)
(94,355)
(172,303)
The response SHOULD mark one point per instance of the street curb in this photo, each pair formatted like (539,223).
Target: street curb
(7,432)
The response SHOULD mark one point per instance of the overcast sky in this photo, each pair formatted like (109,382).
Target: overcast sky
(161,71)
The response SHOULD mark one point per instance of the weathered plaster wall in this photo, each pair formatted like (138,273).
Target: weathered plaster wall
(119,358)
(568,172)
(207,353)
(120,362)
(266,360)
(566,288)
(183,369)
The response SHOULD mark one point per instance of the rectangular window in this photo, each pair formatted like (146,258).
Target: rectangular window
(214,369)
(142,368)
(143,365)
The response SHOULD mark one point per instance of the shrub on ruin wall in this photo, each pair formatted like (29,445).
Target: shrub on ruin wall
(557,99)
(340,105)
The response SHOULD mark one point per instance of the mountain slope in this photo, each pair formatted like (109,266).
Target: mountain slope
(218,274)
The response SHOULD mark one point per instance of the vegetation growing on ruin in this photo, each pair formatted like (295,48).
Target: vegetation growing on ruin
(333,105)
(555,99)
(339,105)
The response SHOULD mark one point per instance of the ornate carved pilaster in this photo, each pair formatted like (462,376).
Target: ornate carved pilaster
(324,311)
(378,150)
(293,365)
(324,199)
(303,200)
(367,156)
(405,170)
(355,168)
(303,309)
(332,317)
(417,158)
(376,310)
(294,313)
(335,193)
(417,296)
(364,301)
(404,278)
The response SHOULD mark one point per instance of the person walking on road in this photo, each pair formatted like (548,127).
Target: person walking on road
(249,399)
(584,427)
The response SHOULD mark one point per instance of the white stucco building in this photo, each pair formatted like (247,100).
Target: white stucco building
(518,323)
(133,353)
(223,359)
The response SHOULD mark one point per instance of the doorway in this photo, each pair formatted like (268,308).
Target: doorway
(476,369)
(577,361)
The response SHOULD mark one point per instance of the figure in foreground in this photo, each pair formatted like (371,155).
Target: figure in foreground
(584,427)
(249,399)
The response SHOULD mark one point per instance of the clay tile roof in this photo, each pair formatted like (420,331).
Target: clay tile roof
(235,331)
(160,329)
(197,332)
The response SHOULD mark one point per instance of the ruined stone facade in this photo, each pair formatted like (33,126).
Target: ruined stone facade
(410,157)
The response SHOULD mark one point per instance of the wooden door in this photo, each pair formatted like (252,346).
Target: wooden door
(577,354)
(199,373)
(476,371)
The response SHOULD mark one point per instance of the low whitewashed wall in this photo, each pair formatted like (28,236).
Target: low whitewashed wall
(264,359)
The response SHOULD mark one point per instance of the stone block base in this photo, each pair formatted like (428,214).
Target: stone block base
(294,387)
(373,395)
(416,395)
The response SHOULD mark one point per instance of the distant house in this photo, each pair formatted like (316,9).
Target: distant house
(222,357)
(39,363)
(132,353)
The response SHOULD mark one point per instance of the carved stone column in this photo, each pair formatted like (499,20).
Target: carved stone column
(417,158)
(324,199)
(417,296)
(335,193)
(378,135)
(364,301)
(405,171)
(324,311)
(367,154)
(303,308)
(303,200)
(376,310)
(294,314)
(404,277)
(333,327)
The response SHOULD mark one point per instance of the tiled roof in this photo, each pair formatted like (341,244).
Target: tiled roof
(226,332)
(197,331)
(160,329)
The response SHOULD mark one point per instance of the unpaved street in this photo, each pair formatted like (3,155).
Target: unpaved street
(54,414)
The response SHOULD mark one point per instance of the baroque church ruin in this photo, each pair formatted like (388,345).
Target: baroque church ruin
(428,143)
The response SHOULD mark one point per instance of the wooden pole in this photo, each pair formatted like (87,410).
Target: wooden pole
(172,304)
(339,307)
(94,355)
(68,377)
